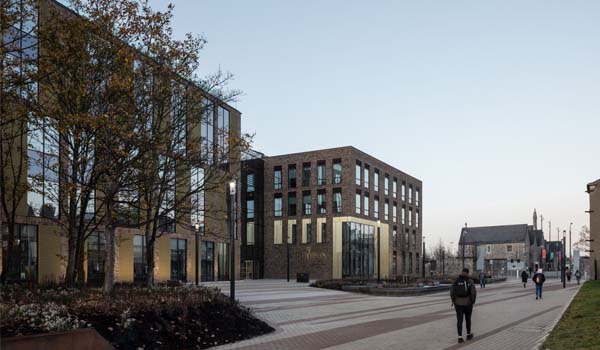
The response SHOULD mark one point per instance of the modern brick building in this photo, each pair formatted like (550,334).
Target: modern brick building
(593,189)
(322,209)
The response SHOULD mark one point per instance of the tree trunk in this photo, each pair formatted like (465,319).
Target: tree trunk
(71,262)
(80,270)
(109,264)
(6,256)
(150,263)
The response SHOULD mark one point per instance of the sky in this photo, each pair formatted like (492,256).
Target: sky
(494,105)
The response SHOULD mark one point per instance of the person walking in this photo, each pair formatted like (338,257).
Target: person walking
(482,279)
(539,279)
(578,276)
(568,273)
(524,277)
(463,295)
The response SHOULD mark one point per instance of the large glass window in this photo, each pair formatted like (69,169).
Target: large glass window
(178,259)
(307,203)
(395,236)
(394,263)
(358,251)
(321,173)
(417,219)
(277,178)
(207,135)
(366,176)
(376,180)
(306,174)
(366,204)
(410,217)
(197,196)
(321,204)
(386,210)
(403,215)
(417,195)
(417,263)
(395,188)
(337,171)
(208,261)
(223,132)
(323,232)
(24,257)
(250,238)
(250,179)
(292,176)
(140,268)
(308,232)
(358,173)
(292,204)
(357,201)
(337,200)
(403,191)
(293,235)
(410,193)
(223,256)
(42,175)
(376,208)
(410,263)
(167,204)
(277,205)
(96,252)
(395,213)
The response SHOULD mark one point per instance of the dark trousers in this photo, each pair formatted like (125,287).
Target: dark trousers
(538,290)
(463,311)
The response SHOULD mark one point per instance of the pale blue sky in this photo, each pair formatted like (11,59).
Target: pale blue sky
(495,105)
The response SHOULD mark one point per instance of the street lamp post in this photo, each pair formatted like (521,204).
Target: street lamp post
(463,244)
(423,238)
(563,262)
(232,188)
(378,252)
(197,229)
(570,249)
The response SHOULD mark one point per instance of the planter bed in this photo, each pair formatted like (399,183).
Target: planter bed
(398,292)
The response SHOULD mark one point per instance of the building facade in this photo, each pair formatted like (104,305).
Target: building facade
(322,211)
(41,242)
(593,189)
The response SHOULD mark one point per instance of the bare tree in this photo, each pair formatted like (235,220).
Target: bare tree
(583,243)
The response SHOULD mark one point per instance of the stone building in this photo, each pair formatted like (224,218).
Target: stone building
(321,212)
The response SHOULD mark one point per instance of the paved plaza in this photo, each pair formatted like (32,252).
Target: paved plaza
(506,316)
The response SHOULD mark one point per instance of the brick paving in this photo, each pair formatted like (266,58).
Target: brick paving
(506,316)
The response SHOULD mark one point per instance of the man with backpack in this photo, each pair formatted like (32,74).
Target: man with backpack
(463,295)
(539,279)
(578,276)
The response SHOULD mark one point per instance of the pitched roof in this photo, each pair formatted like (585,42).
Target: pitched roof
(495,234)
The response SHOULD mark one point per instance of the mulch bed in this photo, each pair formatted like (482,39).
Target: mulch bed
(132,317)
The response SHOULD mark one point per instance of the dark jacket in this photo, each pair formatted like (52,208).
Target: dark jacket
(524,276)
(541,276)
(577,274)
(464,301)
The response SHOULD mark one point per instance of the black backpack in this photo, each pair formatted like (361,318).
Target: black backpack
(462,288)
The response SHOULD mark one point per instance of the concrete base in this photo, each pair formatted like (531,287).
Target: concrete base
(81,339)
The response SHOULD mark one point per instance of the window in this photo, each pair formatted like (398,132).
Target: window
(178,259)
(223,261)
(292,176)
(277,232)
(417,263)
(292,204)
(357,173)
(277,178)
(323,232)
(357,201)
(395,236)
(278,207)
(207,265)
(307,202)
(406,240)
(167,174)
(366,204)
(417,195)
(403,215)
(308,232)
(417,219)
(197,197)
(395,213)
(395,188)
(250,239)
(250,183)
(140,268)
(403,262)
(292,236)
(358,250)
(321,205)
(386,210)
(414,240)
(337,200)
(376,208)
(386,185)
(366,176)
(178,117)
(42,172)
(306,174)
(410,194)
(509,248)
(321,173)
(24,257)
(410,263)
(410,217)
(376,180)
(250,209)
(337,171)
(96,252)
(394,263)
(403,191)
(489,249)
(206,131)
(223,132)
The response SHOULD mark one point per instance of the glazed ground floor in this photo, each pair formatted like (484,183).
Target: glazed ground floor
(40,254)
(339,247)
